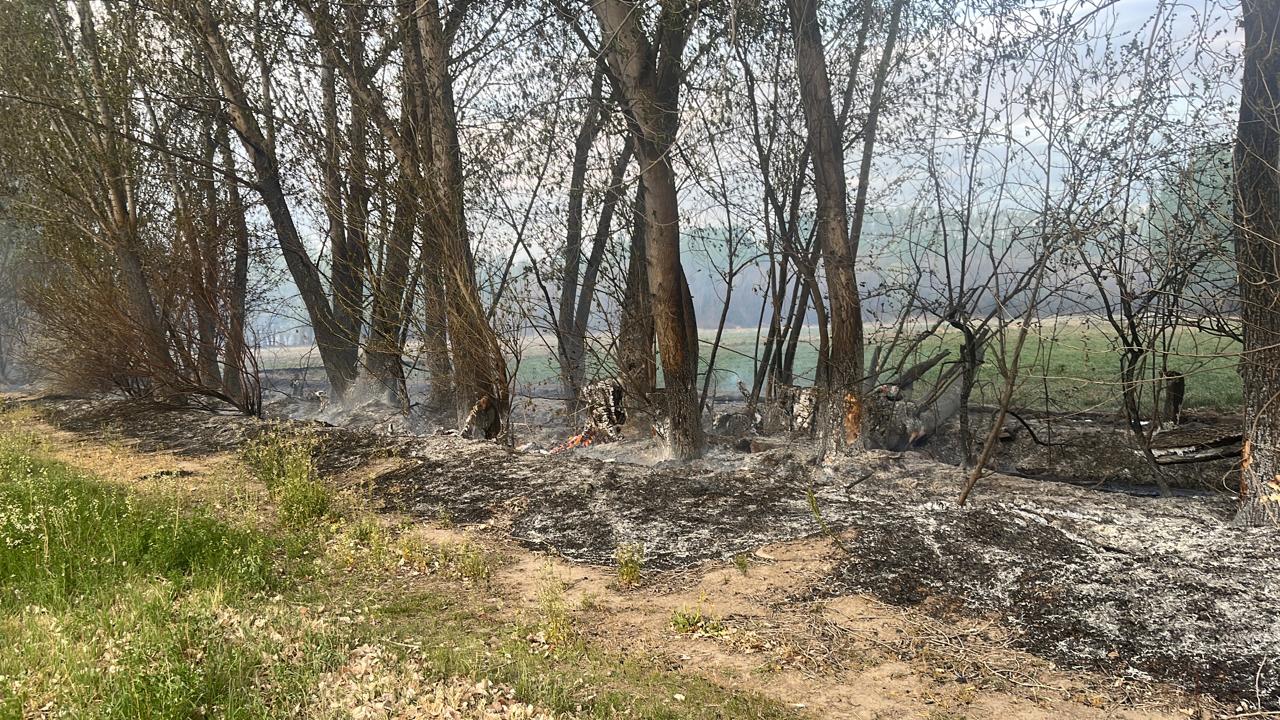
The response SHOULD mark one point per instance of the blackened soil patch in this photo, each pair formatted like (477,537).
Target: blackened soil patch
(1160,589)
(584,508)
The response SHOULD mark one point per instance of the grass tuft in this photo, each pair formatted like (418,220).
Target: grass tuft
(284,462)
(696,620)
(555,623)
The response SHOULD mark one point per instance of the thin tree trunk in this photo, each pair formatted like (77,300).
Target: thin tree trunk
(478,365)
(599,243)
(241,378)
(210,260)
(570,348)
(346,270)
(715,344)
(267,170)
(385,350)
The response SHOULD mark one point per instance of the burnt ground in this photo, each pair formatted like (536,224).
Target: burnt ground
(1099,450)
(1165,589)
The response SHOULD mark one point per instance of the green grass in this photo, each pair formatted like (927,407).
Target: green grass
(284,461)
(1070,367)
(70,541)
(120,605)
(107,598)
(1066,365)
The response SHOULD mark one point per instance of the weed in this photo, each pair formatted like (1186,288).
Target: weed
(467,561)
(555,624)
(363,541)
(413,551)
(302,501)
(17,423)
(695,620)
(630,559)
(740,561)
(283,461)
(444,518)
(367,531)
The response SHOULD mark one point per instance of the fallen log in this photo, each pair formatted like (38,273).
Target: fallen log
(1220,449)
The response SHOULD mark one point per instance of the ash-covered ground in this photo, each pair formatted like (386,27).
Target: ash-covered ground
(1141,586)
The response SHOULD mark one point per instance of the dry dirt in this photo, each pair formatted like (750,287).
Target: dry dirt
(1149,608)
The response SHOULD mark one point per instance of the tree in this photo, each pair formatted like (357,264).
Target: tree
(429,155)
(648,73)
(1257,239)
(577,288)
(842,362)
(259,145)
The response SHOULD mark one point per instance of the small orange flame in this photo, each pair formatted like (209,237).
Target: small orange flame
(583,439)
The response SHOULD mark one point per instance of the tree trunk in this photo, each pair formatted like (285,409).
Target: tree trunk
(436,334)
(636,362)
(478,366)
(346,266)
(385,349)
(586,295)
(648,74)
(673,319)
(210,255)
(241,375)
(571,348)
(1257,228)
(267,170)
(843,364)
(121,220)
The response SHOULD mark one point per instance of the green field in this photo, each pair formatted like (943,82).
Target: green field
(1065,366)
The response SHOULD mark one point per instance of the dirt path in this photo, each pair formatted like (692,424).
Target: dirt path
(769,629)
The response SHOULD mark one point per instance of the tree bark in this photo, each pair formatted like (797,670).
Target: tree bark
(648,75)
(241,375)
(843,365)
(1257,232)
(636,362)
(570,348)
(346,271)
(478,366)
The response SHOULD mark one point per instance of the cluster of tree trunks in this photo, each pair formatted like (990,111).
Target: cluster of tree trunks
(164,311)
